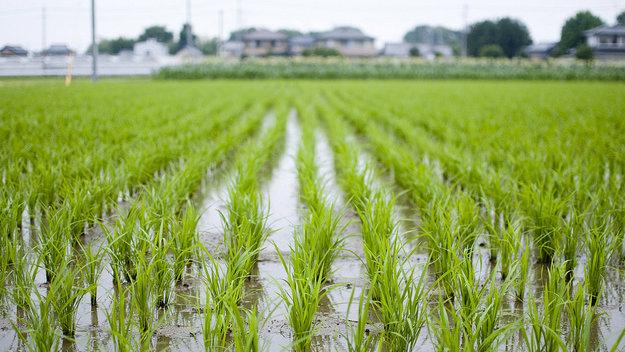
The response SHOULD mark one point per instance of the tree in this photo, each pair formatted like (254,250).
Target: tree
(584,52)
(115,46)
(160,33)
(209,47)
(414,52)
(512,36)
(182,38)
(321,51)
(433,35)
(492,51)
(572,33)
(620,19)
(509,34)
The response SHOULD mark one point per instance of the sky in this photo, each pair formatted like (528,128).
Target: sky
(68,21)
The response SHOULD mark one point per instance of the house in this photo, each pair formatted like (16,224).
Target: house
(58,50)
(151,48)
(13,51)
(299,43)
(541,50)
(349,41)
(189,52)
(607,42)
(263,42)
(423,50)
(231,49)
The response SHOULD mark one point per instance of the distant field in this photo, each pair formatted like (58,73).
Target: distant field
(320,215)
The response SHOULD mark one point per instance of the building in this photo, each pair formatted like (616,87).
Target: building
(231,49)
(349,41)
(58,50)
(299,43)
(422,50)
(263,42)
(541,51)
(607,42)
(151,48)
(13,51)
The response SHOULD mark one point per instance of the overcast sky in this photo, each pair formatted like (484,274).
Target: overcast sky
(68,21)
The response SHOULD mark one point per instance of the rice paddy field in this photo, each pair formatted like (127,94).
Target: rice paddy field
(281,215)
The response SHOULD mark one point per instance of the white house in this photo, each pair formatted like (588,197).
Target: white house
(607,42)
(150,48)
(426,51)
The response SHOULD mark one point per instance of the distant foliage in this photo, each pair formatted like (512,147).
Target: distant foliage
(509,34)
(320,51)
(340,68)
(160,33)
(620,19)
(414,52)
(584,52)
(573,30)
(492,51)
(115,46)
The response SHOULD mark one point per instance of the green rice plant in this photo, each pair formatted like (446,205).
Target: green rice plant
(320,232)
(543,329)
(185,241)
(53,247)
(23,275)
(143,299)
(92,270)
(216,324)
(37,329)
(304,291)
(546,212)
(358,339)
(119,317)
(509,247)
(66,295)
(162,275)
(446,327)
(599,249)
(123,244)
(245,328)
(523,264)
(401,299)
(581,317)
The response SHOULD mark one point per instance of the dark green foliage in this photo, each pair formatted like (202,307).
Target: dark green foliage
(492,51)
(160,33)
(509,34)
(320,51)
(572,33)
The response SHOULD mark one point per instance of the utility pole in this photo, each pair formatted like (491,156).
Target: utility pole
(189,30)
(43,28)
(94,46)
(465,30)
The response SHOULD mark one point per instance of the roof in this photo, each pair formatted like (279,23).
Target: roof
(606,30)
(264,34)
(345,33)
(16,49)
(541,47)
(58,49)
(189,51)
(302,40)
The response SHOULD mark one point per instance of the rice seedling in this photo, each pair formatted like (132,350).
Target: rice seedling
(53,245)
(65,296)
(119,317)
(304,291)
(92,270)
(581,317)
(143,300)
(162,274)
(358,338)
(523,264)
(37,329)
(184,241)
(599,250)
(543,329)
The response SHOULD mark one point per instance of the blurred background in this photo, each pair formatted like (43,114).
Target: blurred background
(140,37)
